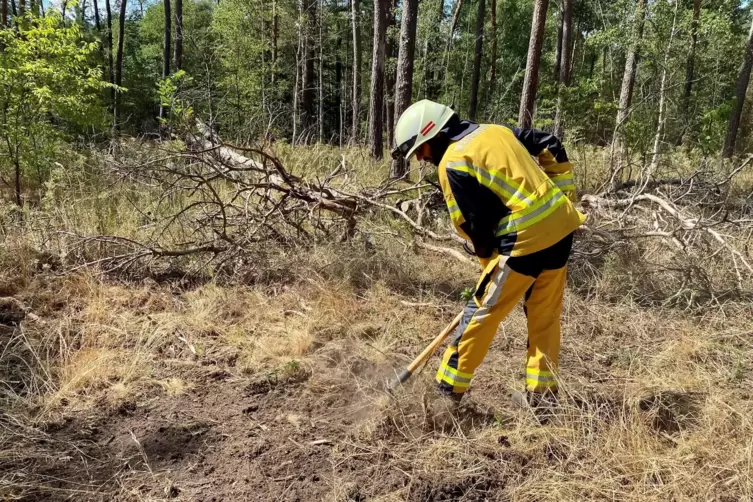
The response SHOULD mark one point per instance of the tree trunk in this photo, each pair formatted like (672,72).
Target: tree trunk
(338,86)
(376,106)
(453,27)
(558,47)
(662,103)
(22,8)
(80,11)
(96,15)
(390,78)
(564,76)
(690,69)
(477,59)
(4,18)
(166,51)
(119,60)
(308,11)
(434,70)
(531,81)
(405,59)
(320,116)
(275,30)
(13,7)
(17,184)
(178,63)
(297,85)
(691,57)
(742,86)
(493,70)
(356,71)
(110,66)
(626,91)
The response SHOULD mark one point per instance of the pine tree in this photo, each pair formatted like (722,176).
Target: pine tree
(376,106)
(531,82)
(405,60)
(742,86)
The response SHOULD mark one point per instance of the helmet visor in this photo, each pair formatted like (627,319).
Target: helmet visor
(403,149)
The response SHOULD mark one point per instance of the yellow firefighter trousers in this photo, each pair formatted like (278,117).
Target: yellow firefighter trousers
(498,291)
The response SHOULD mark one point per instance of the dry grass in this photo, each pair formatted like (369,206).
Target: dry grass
(656,401)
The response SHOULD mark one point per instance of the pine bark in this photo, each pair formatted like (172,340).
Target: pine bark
(531,81)
(405,60)
(376,107)
(626,91)
(119,60)
(166,50)
(356,71)
(565,66)
(4,14)
(390,76)
(478,53)
(178,63)
(742,86)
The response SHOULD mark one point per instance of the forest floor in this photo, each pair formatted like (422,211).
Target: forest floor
(270,387)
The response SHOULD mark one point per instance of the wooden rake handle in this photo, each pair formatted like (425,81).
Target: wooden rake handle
(427,352)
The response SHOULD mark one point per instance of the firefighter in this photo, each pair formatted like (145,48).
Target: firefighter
(519,215)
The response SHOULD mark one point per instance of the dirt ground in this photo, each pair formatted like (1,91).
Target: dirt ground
(212,393)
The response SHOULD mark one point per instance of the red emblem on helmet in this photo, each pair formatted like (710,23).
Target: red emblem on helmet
(428,127)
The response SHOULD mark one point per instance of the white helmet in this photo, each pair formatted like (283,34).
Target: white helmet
(418,124)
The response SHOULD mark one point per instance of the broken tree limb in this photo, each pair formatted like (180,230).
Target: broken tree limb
(454,253)
(686,223)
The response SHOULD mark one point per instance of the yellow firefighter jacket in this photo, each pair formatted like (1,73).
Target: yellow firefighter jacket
(500,198)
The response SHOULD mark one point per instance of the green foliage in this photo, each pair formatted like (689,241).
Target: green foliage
(50,89)
(243,59)
(181,112)
(467,294)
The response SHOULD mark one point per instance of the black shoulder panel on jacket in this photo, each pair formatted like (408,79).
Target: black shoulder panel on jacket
(536,141)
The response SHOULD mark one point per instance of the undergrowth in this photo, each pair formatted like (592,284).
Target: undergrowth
(656,367)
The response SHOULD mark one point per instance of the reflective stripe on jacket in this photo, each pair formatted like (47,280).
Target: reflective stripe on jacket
(500,198)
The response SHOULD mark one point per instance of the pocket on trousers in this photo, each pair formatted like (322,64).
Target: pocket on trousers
(486,277)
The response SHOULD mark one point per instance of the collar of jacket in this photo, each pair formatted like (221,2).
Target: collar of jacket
(455,130)
(458,130)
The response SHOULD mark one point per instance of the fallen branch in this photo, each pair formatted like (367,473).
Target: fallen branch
(454,253)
